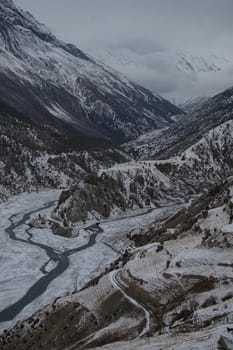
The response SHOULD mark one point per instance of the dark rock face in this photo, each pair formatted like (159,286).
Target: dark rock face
(47,80)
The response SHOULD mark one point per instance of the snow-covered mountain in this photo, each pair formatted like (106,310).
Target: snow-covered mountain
(177,75)
(33,157)
(171,287)
(143,184)
(173,140)
(193,104)
(53,82)
(134,253)
(173,164)
(184,62)
(193,63)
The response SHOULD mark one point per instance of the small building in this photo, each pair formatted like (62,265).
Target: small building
(38,222)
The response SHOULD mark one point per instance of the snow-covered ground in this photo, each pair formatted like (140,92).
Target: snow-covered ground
(117,229)
(21,262)
(195,257)
(203,340)
(177,288)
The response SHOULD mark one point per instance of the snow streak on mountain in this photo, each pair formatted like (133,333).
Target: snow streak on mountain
(46,79)
(120,233)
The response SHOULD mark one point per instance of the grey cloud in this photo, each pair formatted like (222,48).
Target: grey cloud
(163,23)
(145,28)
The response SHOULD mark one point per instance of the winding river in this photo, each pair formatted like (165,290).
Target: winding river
(62,260)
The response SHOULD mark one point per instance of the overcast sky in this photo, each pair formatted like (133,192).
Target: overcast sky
(200,27)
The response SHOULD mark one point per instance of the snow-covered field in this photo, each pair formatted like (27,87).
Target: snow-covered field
(22,263)
(176,289)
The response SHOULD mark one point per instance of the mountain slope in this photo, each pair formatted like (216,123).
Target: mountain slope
(46,79)
(148,184)
(193,104)
(36,156)
(187,131)
(176,282)
(175,291)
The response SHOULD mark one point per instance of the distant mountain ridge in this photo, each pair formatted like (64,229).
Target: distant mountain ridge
(193,104)
(186,62)
(176,75)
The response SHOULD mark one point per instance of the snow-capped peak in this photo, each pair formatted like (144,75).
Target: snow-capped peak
(176,75)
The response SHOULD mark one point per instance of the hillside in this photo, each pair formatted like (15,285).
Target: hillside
(47,80)
(193,104)
(146,184)
(116,227)
(187,131)
(36,156)
(173,291)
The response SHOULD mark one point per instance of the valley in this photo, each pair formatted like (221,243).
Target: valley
(180,281)
(116,205)
(56,258)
